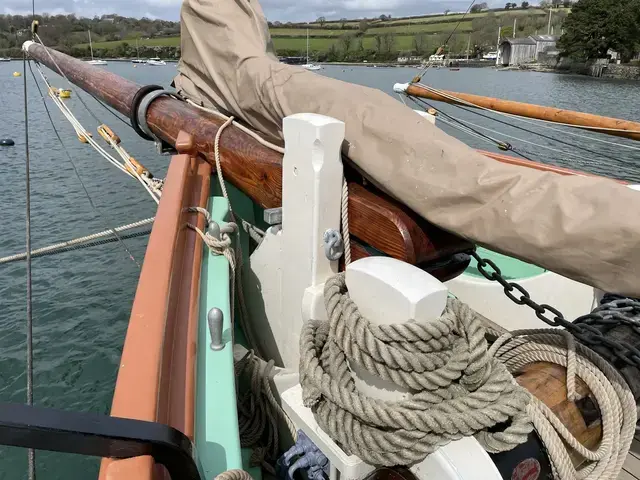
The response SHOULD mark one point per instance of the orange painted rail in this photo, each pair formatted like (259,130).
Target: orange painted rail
(157,368)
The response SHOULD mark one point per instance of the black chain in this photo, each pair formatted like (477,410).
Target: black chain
(613,311)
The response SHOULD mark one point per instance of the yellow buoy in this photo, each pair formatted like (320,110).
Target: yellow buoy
(64,93)
(17,74)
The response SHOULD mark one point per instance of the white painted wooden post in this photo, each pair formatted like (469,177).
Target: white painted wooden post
(289,269)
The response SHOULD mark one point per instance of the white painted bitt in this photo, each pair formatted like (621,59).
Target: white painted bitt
(289,268)
(388,291)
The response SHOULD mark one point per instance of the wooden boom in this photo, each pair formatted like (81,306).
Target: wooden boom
(597,123)
(376,220)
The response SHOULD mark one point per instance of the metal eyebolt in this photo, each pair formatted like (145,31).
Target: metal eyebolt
(215,319)
(333,245)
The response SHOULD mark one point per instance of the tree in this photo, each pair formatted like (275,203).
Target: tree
(321,21)
(346,41)
(595,26)
(507,6)
(524,5)
(446,12)
(419,44)
(478,7)
(363,26)
(566,3)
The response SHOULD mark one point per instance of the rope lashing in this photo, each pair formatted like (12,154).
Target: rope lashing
(459,389)
(615,401)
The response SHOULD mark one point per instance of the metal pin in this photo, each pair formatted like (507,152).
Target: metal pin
(215,318)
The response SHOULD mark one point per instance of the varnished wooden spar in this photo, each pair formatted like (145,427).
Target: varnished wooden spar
(597,123)
(255,169)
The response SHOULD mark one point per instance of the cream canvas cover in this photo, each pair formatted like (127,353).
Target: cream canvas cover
(584,228)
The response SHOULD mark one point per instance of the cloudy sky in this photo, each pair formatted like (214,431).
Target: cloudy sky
(283,10)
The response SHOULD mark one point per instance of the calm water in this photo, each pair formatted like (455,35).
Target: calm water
(82,299)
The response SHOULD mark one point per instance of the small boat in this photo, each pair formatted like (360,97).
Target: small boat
(138,59)
(94,61)
(310,66)
(3,59)
(156,62)
(454,69)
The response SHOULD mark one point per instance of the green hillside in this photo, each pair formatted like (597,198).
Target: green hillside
(380,39)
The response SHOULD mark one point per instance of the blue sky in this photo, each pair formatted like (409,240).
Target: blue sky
(283,10)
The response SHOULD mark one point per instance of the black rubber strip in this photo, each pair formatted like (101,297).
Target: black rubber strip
(137,98)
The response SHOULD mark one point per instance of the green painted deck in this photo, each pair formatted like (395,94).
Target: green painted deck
(511,268)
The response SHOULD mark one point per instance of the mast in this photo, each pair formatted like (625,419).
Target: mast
(468,48)
(515,22)
(498,47)
(307,45)
(597,123)
(90,44)
(549,25)
(137,50)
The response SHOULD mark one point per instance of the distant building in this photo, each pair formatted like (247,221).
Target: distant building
(516,51)
(409,59)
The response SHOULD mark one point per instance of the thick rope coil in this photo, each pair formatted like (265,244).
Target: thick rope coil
(234,475)
(459,389)
(615,401)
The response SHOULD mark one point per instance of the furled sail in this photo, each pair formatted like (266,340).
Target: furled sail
(585,228)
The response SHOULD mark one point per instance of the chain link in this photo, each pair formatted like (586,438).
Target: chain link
(614,311)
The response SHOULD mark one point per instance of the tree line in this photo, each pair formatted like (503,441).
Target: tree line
(70,30)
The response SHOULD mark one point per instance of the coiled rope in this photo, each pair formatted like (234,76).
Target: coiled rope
(460,389)
(614,398)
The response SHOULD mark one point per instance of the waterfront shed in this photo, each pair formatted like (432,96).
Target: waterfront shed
(545,43)
(516,51)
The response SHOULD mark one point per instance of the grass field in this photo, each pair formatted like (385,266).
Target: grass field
(404,29)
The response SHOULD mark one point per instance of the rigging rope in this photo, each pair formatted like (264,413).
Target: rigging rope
(581,127)
(77,173)
(78,243)
(537,120)
(29,326)
(80,97)
(128,168)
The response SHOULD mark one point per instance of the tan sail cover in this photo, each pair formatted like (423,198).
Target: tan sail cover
(584,228)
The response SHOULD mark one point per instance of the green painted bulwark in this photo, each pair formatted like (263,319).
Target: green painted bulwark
(217,435)
(216,430)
